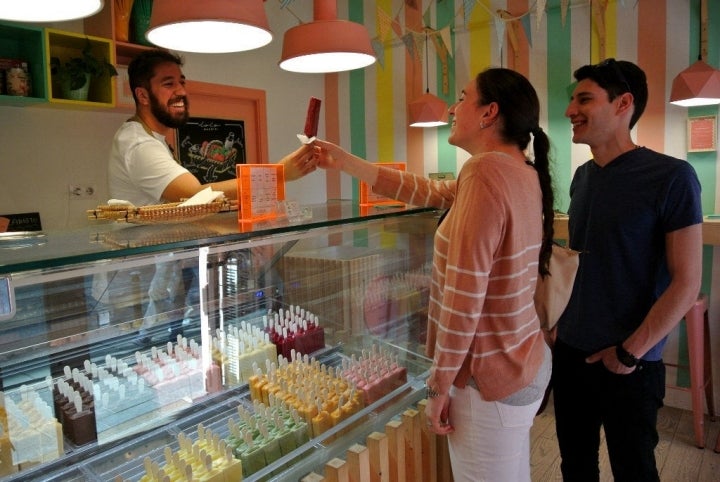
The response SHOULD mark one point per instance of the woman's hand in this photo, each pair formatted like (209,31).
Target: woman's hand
(437,411)
(328,154)
(299,163)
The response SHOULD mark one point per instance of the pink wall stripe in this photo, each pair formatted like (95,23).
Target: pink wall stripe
(652,58)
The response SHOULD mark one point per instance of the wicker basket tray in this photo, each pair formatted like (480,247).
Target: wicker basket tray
(170,213)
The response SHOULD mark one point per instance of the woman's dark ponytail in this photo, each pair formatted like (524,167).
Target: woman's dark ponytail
(541,148)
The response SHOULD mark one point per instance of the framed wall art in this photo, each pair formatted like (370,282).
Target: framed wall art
(702,133)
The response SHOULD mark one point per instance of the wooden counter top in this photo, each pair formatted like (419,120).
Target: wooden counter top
(711,229)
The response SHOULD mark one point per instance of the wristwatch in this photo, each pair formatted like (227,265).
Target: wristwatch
(625,357)
(431,392)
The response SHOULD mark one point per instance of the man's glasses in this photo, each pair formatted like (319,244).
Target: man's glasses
(610,66)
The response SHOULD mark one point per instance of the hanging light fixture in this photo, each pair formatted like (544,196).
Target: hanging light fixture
(427,110)
(48,10)
(210,26)
(699,84)
(326,44)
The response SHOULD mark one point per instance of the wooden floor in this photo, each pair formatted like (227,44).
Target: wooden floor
(677,457)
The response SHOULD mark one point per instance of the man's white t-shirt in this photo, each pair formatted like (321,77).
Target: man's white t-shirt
(140,166)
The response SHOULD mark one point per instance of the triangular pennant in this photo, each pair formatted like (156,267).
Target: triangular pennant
(411,3)
(468,6)
(539,12)
(379,50)
(563,11)
(285,3)
(419,42)
(499,31)
(440,49)
(525,22)
(397,28)
(384,22)
(409,41)
(427,15)
(447,39)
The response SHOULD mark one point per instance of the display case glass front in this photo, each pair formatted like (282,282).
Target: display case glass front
(129,352)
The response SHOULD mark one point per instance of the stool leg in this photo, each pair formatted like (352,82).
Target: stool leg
(694,322)
(709,399)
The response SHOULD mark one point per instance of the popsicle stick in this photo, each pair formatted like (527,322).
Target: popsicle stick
(336,470)
(313,477)
(444,471)
(395,431)
(413,445)
(429,446)
(358,460)
(377,444)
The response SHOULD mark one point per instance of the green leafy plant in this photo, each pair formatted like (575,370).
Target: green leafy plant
(76,69)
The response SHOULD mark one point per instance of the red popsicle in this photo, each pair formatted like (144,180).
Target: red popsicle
(313,117)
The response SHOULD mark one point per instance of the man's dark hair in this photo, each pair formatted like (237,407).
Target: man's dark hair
(617,77)
(142,67)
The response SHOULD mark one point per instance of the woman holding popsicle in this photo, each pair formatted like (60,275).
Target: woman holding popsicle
(490,361)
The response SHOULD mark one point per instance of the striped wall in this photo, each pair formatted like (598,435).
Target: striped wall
(662,36)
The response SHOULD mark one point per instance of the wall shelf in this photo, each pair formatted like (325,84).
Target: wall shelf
(25,43)
(65,45)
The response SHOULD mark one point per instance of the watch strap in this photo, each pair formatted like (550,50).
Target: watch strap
(625,357)
(431,392)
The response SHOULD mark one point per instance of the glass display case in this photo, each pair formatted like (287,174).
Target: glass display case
(275,344)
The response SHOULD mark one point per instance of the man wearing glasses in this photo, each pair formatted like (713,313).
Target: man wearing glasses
(636,218)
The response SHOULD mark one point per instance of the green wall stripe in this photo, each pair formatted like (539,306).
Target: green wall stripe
(447,160)
(559,74)
(357,117)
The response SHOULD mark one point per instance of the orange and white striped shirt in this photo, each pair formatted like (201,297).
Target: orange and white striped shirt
(481,319)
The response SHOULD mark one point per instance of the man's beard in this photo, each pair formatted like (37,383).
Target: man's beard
(162,114)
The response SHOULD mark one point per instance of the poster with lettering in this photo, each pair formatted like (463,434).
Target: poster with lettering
(210,148)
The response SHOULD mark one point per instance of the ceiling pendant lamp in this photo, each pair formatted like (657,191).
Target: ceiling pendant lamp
(209,26)
(48,10)
(699,84)
(326,44)
(428,110)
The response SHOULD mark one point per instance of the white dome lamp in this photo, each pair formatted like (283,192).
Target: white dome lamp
(209,26)
(48,10)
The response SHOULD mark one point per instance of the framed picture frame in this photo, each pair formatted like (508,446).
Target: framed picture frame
(233,103)
(702,133)
(211,148)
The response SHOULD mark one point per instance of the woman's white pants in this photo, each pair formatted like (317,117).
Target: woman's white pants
(491,441)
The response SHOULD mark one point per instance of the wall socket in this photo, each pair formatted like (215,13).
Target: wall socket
(81,191)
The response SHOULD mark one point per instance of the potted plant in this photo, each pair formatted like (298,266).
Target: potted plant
(73,76)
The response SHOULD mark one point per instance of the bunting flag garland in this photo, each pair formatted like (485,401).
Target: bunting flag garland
(442,38)
(285,3)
